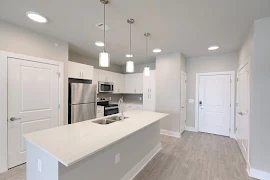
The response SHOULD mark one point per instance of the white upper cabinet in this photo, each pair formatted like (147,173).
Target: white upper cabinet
(80,71)
(149,83)
(134,83)
(105,76)
(119,83)
(95,78)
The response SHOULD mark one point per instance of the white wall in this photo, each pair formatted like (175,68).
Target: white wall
(75,57)
(204,64)
(260,120)
(168,91)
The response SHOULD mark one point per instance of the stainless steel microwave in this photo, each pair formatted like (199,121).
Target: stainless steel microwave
(105,87)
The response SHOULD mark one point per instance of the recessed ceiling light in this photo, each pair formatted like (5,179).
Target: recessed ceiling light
(157,50)
(211,48)
(99,43)
(36,17)
(129,55)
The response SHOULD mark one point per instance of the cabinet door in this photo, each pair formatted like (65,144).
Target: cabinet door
(129,83)
(149,102)
(121,81)
(116,83)
(152,82)
(146,84)
(103,76)
(74,70)
(87,72)
(138,83)
(95,78)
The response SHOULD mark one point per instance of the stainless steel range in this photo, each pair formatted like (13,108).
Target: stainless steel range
(109,109)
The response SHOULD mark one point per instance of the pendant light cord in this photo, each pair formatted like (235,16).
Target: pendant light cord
(146,50)
(130,42)
(104,26)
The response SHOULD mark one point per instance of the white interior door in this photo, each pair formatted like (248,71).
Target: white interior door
(183,102)
(242,111)
(33,100)
(214,104)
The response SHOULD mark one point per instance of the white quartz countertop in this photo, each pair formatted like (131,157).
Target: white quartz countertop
(72,143)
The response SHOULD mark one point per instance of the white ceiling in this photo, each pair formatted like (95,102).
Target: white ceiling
(187,26)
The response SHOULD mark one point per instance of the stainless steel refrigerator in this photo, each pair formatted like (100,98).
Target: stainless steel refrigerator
(83,102)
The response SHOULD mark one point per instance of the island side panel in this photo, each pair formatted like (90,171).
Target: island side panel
(48,165)
(101,165)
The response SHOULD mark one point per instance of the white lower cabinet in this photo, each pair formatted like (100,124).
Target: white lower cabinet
(149,102)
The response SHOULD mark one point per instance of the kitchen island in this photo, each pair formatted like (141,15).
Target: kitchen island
(91,151)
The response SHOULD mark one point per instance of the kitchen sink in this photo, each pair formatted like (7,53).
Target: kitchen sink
(116,118)
(104,121)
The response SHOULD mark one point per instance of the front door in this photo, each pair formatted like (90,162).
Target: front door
(214,104)
(183,102)
(242,111)
(33,100)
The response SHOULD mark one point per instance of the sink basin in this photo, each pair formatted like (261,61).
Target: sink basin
(116,118)
(104,121)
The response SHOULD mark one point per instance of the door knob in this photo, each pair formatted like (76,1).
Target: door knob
(240,113)
(14,119)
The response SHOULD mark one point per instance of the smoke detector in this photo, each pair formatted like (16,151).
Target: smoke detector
(101,26)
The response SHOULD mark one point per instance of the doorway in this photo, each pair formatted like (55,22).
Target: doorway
(215,103)
(242,110)
(32,98)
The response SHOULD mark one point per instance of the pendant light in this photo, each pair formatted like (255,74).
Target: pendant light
(130,63)
(146,70)
(104,57)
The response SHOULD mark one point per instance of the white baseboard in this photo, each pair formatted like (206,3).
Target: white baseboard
(192,129)
(138,167)
(254,173)
(170,133)
(233,136)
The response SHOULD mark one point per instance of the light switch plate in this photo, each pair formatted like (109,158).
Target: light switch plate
(39,165)
(117,158)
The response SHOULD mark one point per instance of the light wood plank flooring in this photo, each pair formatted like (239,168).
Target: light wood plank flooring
(195,156)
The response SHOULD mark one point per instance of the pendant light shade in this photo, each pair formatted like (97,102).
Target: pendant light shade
(104,57)
(146,71)
(130,66)
(130,63)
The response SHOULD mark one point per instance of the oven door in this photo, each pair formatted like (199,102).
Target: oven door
(111,111)
(105,86)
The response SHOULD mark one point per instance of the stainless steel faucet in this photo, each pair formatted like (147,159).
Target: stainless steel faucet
(121,107)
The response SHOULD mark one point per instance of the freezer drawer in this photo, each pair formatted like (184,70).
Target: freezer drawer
(82,112)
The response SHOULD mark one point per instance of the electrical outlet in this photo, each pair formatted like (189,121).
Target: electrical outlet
(117,158)
(39,165)
(140,98)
